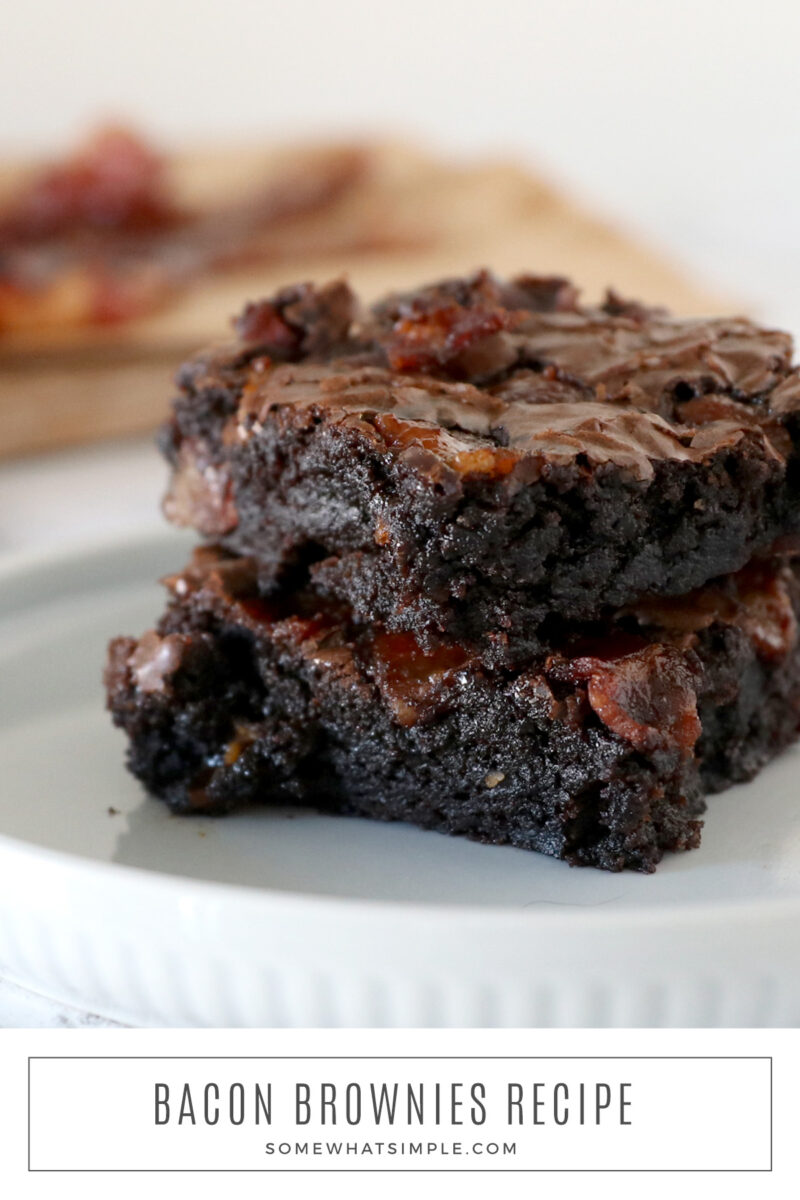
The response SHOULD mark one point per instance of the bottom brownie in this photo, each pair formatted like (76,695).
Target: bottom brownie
(599,754)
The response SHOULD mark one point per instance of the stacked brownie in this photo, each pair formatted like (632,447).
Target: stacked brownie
(479,558)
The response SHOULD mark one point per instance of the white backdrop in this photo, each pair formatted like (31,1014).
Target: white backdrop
(681,117)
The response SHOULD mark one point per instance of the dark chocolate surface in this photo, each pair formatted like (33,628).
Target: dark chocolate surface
(483,459)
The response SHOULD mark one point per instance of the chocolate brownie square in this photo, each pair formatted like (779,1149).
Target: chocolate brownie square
(598,753)
(487,460)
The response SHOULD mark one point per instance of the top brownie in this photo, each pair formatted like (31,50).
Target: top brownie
(484,459)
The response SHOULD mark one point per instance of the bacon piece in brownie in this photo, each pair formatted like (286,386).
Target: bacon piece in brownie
(598,754)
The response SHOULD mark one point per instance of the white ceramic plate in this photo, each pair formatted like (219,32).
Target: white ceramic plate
(274,917)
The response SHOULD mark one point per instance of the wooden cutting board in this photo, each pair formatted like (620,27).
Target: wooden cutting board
(413,218)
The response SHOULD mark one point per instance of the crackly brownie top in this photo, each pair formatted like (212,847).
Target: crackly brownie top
(485,375)
(639,679)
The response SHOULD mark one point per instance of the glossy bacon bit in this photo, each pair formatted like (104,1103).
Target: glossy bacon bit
(647,698)
(261,323)
(299,321)
(449,327)
(410,678)
(455,452)
(431,340)
(484,461)
(115,181)
(399,433)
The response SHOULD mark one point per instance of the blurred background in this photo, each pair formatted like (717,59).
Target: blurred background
(673,127)
(682,118)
